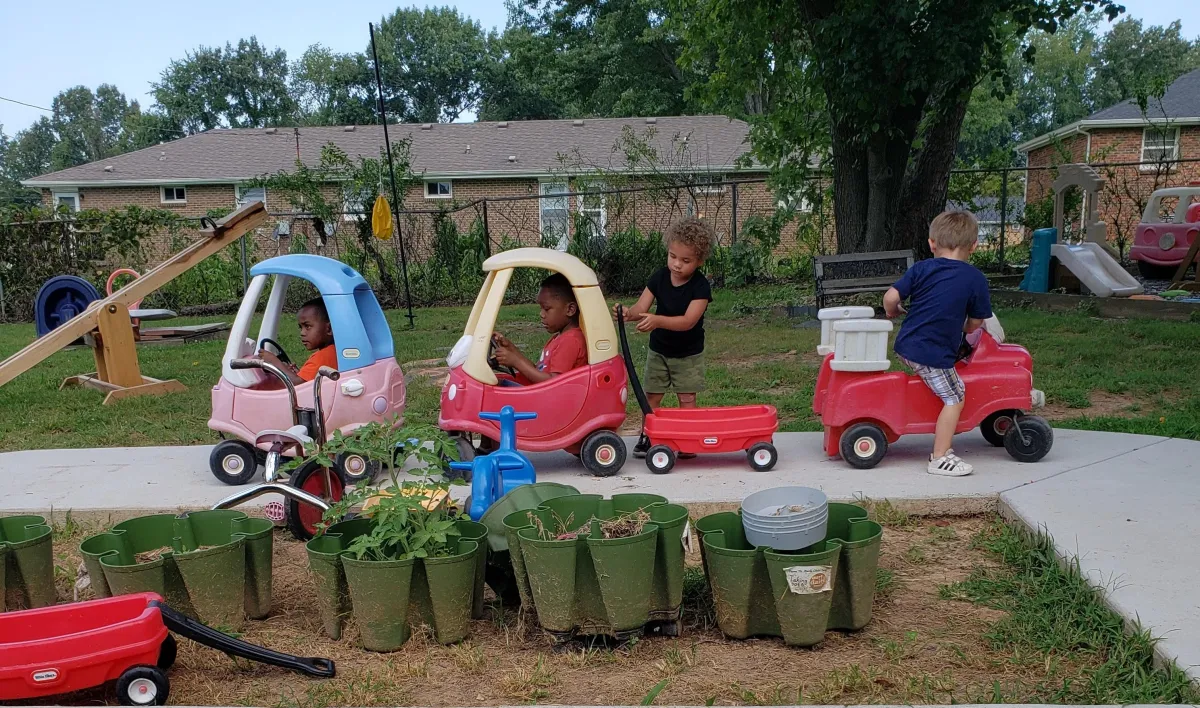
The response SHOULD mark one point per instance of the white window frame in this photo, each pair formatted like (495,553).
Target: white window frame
(1173,147)
(162,194)
(597,214)
(239,192)
(559,187)
(352,203)
(72,193)
(449,186)
(703,183)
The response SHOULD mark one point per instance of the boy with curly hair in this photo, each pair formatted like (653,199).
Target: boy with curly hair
(675,361)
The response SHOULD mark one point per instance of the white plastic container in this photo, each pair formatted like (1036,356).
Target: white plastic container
(829,315)
(861,345)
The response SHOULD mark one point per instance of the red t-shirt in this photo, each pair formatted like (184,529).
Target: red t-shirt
(325,356)
(565,351)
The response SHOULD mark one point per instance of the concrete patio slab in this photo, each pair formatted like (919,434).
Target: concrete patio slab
(146,479)
(1132,522)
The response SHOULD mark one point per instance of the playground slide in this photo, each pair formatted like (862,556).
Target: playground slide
(1096,269)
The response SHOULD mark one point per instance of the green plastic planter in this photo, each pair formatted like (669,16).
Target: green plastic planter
(26,563)
(387,598)
(500,574)
(218,568)
(590,585)
(794,595)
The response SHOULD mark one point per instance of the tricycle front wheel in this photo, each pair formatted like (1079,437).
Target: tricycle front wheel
(143,686)
(302,519)
(863,445)
(762,456)
(1030,439)
(660,459)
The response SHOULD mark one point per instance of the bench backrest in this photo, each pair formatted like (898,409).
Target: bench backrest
(854,266)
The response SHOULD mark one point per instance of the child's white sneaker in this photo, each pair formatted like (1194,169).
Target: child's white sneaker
(949,465)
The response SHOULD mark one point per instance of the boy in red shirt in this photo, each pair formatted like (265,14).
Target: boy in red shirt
(567,348)
(316,334)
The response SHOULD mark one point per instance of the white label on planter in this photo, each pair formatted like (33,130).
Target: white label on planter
(687,535)
(809,579)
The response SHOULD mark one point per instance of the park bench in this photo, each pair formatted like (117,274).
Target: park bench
(853,273)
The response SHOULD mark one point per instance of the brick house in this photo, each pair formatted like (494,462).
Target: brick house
(523,165)
(1138,152)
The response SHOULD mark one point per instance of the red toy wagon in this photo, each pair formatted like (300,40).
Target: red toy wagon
(81,645)
(672,431)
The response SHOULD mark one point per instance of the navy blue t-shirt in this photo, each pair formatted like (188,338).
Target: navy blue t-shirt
(942,294)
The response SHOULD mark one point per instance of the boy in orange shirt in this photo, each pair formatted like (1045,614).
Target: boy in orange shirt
(316,334)
(567,348)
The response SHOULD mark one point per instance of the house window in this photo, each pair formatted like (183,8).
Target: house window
(352,205)
(555,213)
(708,184)
(174,195)
(591,211)
(1159,145)
(439,190)
(68,199)
(245,195)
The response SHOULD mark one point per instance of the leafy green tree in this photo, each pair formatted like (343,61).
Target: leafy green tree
(235,87)
(90,126)
(522,79)
(333,89)
(430,60)
(29,153)
(897,78)
(1131,60)
(1053,88)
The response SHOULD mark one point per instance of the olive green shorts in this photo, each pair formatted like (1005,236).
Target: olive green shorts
(683,375)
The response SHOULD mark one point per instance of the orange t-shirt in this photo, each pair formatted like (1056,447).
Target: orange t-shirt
(565,351)
(325,356)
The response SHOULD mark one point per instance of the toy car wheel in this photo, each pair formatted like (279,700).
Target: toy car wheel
(354,468)
(1030,439)
(166,653)
(660,459)
(143,686)
(233,462)
(466,453)
(762,456)
(300,518)
(863,445)
(603,453)
(995,426)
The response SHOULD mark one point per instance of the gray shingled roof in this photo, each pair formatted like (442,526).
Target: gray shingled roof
(441,149)
(1181,100)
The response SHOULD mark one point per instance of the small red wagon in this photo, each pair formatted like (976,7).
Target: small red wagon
(672,431)
(65,648)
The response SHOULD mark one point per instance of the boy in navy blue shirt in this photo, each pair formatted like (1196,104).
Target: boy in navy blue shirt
(947,297)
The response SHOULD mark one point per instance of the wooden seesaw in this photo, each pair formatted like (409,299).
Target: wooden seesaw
(109,330)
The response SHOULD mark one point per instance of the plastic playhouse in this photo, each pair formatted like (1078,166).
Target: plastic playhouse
(499,472)
(864,407)
(579,411)
(1165,235)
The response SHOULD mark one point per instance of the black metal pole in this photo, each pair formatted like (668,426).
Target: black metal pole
(1003,216)
(392,173)
(733,228)
(487,235)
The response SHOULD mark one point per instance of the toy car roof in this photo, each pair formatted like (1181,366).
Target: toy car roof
(574,269)
(1176,191)
(329,276)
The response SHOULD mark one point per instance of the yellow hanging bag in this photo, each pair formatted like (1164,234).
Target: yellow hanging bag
(381,219)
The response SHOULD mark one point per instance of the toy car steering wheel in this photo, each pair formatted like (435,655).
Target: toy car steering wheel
(280,352)
(495,364)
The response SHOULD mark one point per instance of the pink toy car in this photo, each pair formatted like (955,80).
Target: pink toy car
(1160,242)
(253,410)
(864,407)
(579,411)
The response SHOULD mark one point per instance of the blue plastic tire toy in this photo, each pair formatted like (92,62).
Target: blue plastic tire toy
(59,299)
(500,471)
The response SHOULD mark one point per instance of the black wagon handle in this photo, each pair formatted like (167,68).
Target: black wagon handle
(629,367)
(185,626)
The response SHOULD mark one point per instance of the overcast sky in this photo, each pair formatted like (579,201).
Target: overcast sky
(48,48)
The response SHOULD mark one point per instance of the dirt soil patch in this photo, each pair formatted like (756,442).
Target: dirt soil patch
(1103,405)
(919,648)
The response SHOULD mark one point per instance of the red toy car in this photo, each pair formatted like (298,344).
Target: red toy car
(862,412)
(579,411)
(671,431)
(81,645)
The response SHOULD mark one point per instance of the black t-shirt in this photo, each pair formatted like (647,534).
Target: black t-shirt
(672,301)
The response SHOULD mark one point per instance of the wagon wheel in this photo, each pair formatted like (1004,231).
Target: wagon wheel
(143,686)
(762,456)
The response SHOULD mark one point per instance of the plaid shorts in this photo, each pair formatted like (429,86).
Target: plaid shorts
(945,383)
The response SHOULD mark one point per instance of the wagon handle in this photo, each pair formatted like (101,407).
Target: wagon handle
(185,626)
(629,367)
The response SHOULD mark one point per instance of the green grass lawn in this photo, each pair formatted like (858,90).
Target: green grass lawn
(1097,374)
